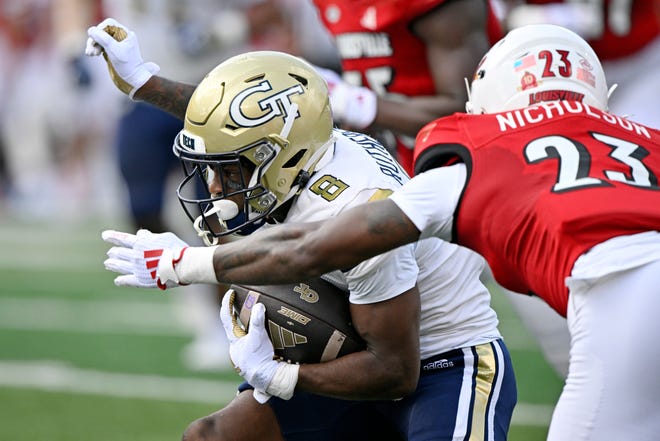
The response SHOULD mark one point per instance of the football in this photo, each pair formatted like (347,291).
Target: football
(116,32)
(308,322)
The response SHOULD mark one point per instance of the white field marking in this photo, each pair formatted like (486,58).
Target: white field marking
(64,260)
(59,377)
(92,316)
(528,414)
(64,257)
(51,247)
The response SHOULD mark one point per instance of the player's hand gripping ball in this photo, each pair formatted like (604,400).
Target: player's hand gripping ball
(307,322)
(121,51)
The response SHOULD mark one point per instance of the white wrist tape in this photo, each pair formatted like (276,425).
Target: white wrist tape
(284,381)
(196,266)
(141,76)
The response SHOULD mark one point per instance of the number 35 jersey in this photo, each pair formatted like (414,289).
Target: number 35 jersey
(544,185)
(455,310)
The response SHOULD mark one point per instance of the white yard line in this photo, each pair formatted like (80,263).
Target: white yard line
(51,247)
(92,316)
(60,377)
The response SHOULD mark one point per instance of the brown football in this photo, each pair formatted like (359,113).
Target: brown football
(116,32)
(308,322)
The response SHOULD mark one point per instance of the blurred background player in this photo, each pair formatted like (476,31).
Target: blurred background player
(188,39)
(54,138)
(404,62)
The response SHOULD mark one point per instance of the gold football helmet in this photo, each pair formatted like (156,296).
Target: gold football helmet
(260,122)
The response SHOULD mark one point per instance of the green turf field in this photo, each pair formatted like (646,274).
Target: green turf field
(83,360)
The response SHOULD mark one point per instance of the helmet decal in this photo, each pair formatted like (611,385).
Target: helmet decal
(524,62)
(528,81)
(584,72)
(555,95)
(278,104)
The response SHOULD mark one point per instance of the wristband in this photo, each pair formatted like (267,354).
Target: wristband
(196,266)
(284,381)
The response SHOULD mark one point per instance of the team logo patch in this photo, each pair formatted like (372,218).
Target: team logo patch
(272,106)
(283,337)
(152,258)
(438,364)
(528,81)
(306,293)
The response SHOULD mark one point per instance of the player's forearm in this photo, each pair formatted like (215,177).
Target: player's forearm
(409,115)
(170,96)
(267,257)
(293,252)
(361,376)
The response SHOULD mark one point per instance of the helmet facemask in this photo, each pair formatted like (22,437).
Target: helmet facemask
(244,201)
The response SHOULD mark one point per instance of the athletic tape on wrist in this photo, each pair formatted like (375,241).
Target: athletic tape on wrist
(196,266)
(284,381)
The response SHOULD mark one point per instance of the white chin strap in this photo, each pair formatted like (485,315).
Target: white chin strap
(224,210)
(469,108)
(611,90)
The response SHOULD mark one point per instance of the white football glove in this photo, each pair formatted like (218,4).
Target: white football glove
(351,105)
(127,69)
(253,355)
(145,259)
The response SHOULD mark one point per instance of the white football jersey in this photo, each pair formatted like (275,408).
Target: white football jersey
(456,308)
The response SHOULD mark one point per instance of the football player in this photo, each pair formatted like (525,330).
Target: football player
(404,62)
(258,132)
(560,196)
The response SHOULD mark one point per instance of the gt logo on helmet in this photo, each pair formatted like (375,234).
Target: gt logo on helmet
(274,105)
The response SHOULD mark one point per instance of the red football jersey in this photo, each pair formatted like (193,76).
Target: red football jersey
(628,26)
(378,48)
(545,184)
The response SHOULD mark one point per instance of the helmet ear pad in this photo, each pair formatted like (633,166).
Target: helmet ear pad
(537,63)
